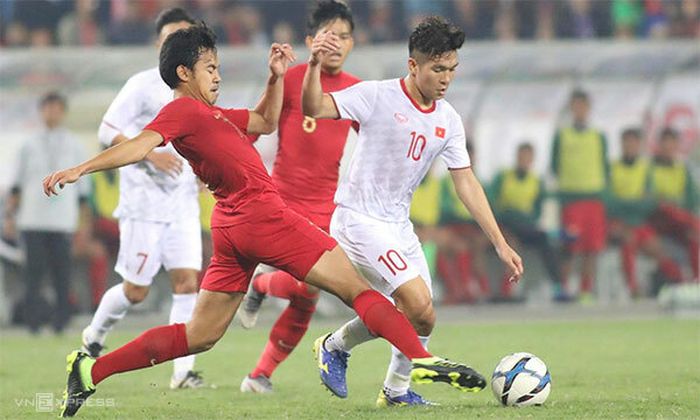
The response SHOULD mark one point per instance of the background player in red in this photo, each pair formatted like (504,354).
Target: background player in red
(306,176)
(250,223)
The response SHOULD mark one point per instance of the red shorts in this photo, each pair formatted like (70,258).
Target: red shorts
(586,220)
(284,240)
(322,219)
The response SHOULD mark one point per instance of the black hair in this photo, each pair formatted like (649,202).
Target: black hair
(51,97)
(183,48)
(435,36)
(579,94)
(669,133)
(526,146)
(632,132)
(327,11)
(172,15)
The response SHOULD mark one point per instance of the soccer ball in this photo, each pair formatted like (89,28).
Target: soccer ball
(521,379)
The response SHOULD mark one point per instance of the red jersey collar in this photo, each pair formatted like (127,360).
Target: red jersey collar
(413,101)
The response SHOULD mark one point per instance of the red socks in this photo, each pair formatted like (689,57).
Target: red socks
(154,346)
(383,319)
(279,284)
(287,331)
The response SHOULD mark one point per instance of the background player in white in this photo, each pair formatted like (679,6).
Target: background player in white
(404,125)
(158,212)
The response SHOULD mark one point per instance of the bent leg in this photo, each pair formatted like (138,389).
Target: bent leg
(212,315)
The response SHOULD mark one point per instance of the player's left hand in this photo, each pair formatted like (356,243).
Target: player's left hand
(280,57)
(60,178)
(512,260)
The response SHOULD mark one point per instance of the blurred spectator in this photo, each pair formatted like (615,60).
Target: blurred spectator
(685,22)
(46,236)
(580,164)
(283,33)
(672,184)
(582,19)
(516,196)
(380,26)
(629,206)
(131,27)
(505,25)
(37,20)
(81,27)
(243,26)
(475,17)
(656,22)
(627,15)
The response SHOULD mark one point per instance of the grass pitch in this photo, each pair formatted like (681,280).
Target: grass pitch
(600,369)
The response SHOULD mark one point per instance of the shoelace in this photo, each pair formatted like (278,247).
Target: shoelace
(450,364)
(342,358)
(413,397)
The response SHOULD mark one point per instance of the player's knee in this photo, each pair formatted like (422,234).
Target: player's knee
(134,293)
(183,281)
(203,340)
(422,316)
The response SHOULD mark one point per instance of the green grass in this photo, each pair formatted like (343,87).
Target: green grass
(600,369)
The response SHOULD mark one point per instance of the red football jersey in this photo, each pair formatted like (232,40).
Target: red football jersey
(215,143)
(309,152)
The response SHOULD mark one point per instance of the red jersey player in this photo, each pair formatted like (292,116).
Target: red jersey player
(306,176)
(250,224)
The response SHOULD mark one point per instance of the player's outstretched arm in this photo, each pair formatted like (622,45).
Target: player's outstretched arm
(471,193)
(264,118)
(314,102)
(122,154)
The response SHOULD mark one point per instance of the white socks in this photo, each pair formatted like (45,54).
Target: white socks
(398,376)
(111,309)
(180,313)
(348,336)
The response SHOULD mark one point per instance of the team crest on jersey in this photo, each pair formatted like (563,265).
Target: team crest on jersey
(400,118)
(218,115)
(440,132)
(309,124)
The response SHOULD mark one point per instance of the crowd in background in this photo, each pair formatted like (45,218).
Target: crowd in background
(257,22)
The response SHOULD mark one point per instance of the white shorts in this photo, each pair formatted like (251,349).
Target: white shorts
(387,254)
(145,246)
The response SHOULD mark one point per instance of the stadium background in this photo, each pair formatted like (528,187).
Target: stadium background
(639,60)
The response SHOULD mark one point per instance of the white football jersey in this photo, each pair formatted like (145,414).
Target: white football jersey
(396,146)
(144,192)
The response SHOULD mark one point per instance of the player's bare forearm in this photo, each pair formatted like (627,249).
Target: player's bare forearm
(472,195)
(120,155)
(311,90)
(124,153)
(266,115)
(315,103)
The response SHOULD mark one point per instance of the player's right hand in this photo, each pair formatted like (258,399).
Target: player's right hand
(165,162)
(324,43)
(60,178)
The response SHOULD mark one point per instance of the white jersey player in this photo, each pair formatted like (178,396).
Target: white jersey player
(158,212)
(405,124)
